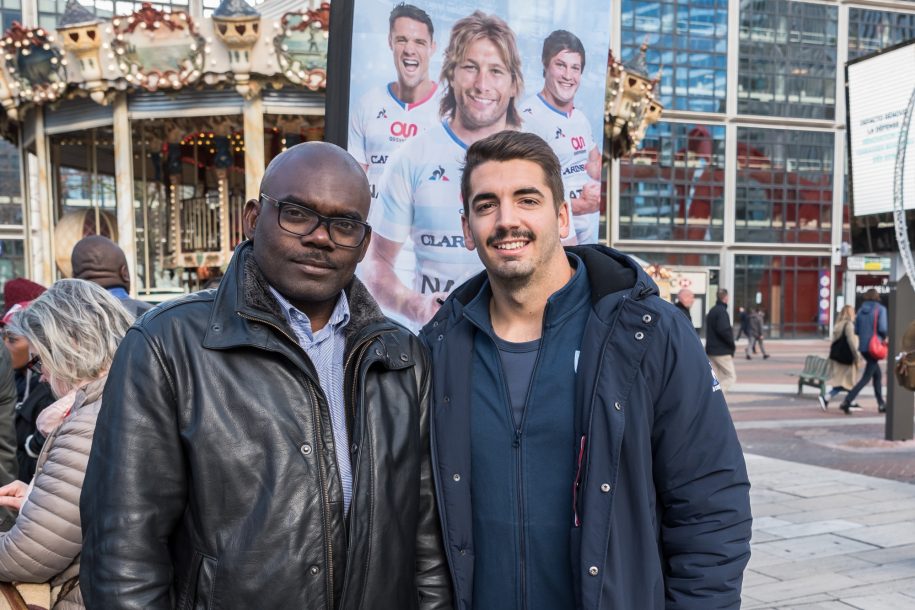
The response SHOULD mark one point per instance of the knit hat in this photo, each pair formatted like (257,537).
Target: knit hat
(20,290)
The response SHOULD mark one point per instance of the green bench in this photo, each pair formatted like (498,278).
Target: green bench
(817,371)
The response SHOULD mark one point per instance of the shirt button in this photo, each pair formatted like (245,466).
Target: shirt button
(605,487)
(354,448)
(378,352)
(639,336)
(314,569)
(593,571)
(447,399)
(404,357)
(305,449)
(617,406)
(440,337)
(646,318)
(456,477)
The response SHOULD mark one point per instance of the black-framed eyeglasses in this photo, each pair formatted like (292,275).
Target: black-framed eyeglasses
(34,364)
(299,220)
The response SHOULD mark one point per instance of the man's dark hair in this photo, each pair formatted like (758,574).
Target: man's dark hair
(510,145)
(411,12)
(721,294)
(558,41)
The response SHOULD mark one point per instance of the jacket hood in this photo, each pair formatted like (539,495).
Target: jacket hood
(609,272)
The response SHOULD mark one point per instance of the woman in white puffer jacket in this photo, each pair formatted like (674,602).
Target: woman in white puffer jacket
(75,327)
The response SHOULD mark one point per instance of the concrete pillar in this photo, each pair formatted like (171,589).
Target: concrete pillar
(254,145)
(123,186)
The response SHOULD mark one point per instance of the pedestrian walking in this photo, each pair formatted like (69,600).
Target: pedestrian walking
(719,341)
(560,491)
(685,300)
(743,321)
(756,328)
(265,445)
(870,323)
(843,356)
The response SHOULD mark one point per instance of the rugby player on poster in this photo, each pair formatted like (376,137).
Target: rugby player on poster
(420,193)
(551,114)
(387,116)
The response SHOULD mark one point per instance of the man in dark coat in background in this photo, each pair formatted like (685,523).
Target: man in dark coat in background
(100,260)
(719,341)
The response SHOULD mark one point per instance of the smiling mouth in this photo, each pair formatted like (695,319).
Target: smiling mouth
(410,64)
(511,245)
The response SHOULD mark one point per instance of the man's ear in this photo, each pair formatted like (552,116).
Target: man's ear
(468,236)
(564,223)
(249,217)
(124,273)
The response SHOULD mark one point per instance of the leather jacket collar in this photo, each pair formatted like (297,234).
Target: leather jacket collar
(243,304)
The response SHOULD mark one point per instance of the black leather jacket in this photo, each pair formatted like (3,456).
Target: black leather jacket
(213,483)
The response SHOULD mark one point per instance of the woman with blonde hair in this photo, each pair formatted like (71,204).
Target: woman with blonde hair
(75,328)
(844,376)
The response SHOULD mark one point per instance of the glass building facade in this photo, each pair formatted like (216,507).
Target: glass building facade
(745,176)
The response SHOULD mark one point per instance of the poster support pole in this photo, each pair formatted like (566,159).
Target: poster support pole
(339,59)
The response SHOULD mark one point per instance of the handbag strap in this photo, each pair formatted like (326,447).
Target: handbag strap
(11,595)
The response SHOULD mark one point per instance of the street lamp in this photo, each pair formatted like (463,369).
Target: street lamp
(631,105)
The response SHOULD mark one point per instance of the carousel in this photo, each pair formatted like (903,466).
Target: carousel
(154,128)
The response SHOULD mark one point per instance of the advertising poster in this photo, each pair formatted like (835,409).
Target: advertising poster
(429,78)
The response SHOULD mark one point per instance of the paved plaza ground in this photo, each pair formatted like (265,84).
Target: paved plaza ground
(833,503)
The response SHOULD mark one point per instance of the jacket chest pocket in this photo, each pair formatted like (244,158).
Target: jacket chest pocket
(200,584)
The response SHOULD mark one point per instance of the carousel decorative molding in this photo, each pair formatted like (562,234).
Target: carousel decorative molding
(238,27)
(80,34)
(158,50)
(301,46)
(35,67)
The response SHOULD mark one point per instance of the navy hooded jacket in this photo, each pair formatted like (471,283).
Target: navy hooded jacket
(662,493)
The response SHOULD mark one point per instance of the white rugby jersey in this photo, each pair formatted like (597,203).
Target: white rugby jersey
(420,200)
(570,137)
(381,123)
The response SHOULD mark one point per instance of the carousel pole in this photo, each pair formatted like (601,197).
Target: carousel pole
(254,144)
(123,183)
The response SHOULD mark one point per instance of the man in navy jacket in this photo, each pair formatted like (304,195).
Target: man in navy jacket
(583,451)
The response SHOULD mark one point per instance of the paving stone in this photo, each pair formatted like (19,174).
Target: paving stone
(889,535)
(788,570)
(812,547)
(811,528)
(889,601)
(818,585)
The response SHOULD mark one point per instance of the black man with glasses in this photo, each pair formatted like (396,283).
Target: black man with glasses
(265,445)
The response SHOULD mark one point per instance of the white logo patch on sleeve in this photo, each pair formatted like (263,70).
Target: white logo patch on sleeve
(577,353)
(716,385)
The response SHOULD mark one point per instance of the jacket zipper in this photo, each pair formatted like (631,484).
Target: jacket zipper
(319,438)
(357,355)
(516,444)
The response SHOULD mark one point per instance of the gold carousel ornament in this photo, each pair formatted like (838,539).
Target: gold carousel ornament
(631,104)
(34,64)
(80,34)
(238,27)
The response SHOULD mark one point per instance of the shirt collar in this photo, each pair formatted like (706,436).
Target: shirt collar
(118,292)
(339,317)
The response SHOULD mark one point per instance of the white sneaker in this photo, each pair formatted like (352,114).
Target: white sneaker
(823,402)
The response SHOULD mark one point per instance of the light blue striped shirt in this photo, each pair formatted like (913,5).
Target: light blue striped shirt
(326,349)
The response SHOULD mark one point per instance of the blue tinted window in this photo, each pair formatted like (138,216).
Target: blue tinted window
(672,188)
(870,31)
(787,64)
(682,36)
(784,186)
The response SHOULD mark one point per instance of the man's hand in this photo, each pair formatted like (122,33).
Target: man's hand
(13,494)
(589,202)
(421,307)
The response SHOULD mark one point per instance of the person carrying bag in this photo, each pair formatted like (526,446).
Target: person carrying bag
(871,328)
(843,355)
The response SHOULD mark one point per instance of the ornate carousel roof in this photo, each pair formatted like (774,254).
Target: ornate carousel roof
(153,50)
